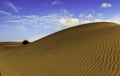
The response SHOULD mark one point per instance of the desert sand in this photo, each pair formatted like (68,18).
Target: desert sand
(86,50)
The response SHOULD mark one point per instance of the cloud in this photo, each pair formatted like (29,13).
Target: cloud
(54,21)
(115,18)
(81,15)
(12,6)
(63,21)
(55,2)
(42,25)
(100,14)
(89,16)
(49,21)
(70,22)
(98,17)
(4,13)
(20,28)
(106,5)
(74,21)
(98,20)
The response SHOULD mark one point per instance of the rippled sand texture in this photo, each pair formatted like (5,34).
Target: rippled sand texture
(86,50)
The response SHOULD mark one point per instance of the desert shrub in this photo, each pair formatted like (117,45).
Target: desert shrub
(25,42)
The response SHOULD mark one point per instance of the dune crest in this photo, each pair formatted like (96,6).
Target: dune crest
(86,50)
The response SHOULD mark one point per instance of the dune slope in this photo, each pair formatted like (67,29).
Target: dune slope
(87,50)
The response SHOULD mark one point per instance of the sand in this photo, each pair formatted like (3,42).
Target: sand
(86,50)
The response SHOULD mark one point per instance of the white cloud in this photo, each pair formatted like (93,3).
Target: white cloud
(55,2)
(54,21)
(20,28)
(98,20)
(106,5)
(63,21)
(92,11)
(14,21)
(12,6)
(74,21)
(100,14)
(98,17)
(5,13)
(17,27)
(115,18)
(85,21)
(89,16)
(50,21)
(70,22)
(81,15)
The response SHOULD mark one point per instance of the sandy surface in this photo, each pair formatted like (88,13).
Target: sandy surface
(86,50)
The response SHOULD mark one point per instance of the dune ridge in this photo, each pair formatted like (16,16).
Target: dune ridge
(87,50)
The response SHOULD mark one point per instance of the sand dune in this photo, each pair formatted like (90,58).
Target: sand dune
(5,45)
(9,45)
(86,50)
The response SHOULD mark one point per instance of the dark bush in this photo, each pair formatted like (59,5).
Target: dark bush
(25,42)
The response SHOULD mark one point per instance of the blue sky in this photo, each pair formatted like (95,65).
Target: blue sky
(33,19)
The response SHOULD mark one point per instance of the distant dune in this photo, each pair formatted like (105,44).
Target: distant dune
(86,50)
(9,45)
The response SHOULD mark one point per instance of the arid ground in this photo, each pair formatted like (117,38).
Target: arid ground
(86,50)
